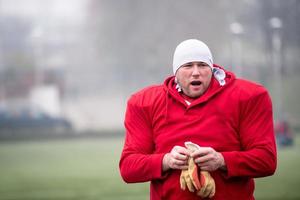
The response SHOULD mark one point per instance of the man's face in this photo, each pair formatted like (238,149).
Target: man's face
(194,78)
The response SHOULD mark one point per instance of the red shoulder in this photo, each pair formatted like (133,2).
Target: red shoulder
(147,96)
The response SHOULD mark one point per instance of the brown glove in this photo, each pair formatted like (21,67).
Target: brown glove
(189,177)
(202,182)
(208,187)
(186,181)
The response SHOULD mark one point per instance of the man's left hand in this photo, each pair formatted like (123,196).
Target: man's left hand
(208,159)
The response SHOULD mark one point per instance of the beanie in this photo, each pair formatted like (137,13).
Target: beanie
(191,50)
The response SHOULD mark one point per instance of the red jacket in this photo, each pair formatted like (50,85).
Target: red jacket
(234,119)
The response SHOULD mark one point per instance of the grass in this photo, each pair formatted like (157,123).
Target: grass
(67,169)
(286,181)
(88,169)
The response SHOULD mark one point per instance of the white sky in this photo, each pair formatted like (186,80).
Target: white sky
(57,9)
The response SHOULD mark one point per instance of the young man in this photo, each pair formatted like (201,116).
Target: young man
(228,120)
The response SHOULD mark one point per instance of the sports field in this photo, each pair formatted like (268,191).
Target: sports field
(88,169)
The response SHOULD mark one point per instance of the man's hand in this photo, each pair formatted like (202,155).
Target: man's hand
(176,159)
(208,159)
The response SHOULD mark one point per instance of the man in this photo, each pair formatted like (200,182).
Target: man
(228,120)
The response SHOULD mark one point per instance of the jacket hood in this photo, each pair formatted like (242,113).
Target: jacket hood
(220,80)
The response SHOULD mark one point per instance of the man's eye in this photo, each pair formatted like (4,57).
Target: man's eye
(203,65)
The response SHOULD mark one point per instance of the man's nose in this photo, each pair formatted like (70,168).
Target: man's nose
(195,70)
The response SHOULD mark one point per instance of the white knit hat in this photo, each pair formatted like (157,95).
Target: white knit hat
(191,50)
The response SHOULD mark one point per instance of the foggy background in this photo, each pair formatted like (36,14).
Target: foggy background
(67,68)
(78,61)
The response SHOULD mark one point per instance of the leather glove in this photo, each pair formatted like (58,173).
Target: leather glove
(202,182)
(208,187)
(189,177)
(186,181)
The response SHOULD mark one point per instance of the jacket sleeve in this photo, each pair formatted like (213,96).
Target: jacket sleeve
(138,163)
(258,157)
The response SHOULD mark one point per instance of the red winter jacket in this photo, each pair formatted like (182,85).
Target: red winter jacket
(234,119)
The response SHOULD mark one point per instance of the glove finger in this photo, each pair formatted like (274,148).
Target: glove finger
(209,188)
(191,146)
(201,192)
(189,183)
(213,188)
(203,178)
(208,185)
(182,180)
(195,179)
(205,191)
(194,175)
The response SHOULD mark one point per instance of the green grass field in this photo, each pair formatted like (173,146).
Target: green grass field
(88,169)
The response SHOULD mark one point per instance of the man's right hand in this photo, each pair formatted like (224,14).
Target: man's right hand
(176,159)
